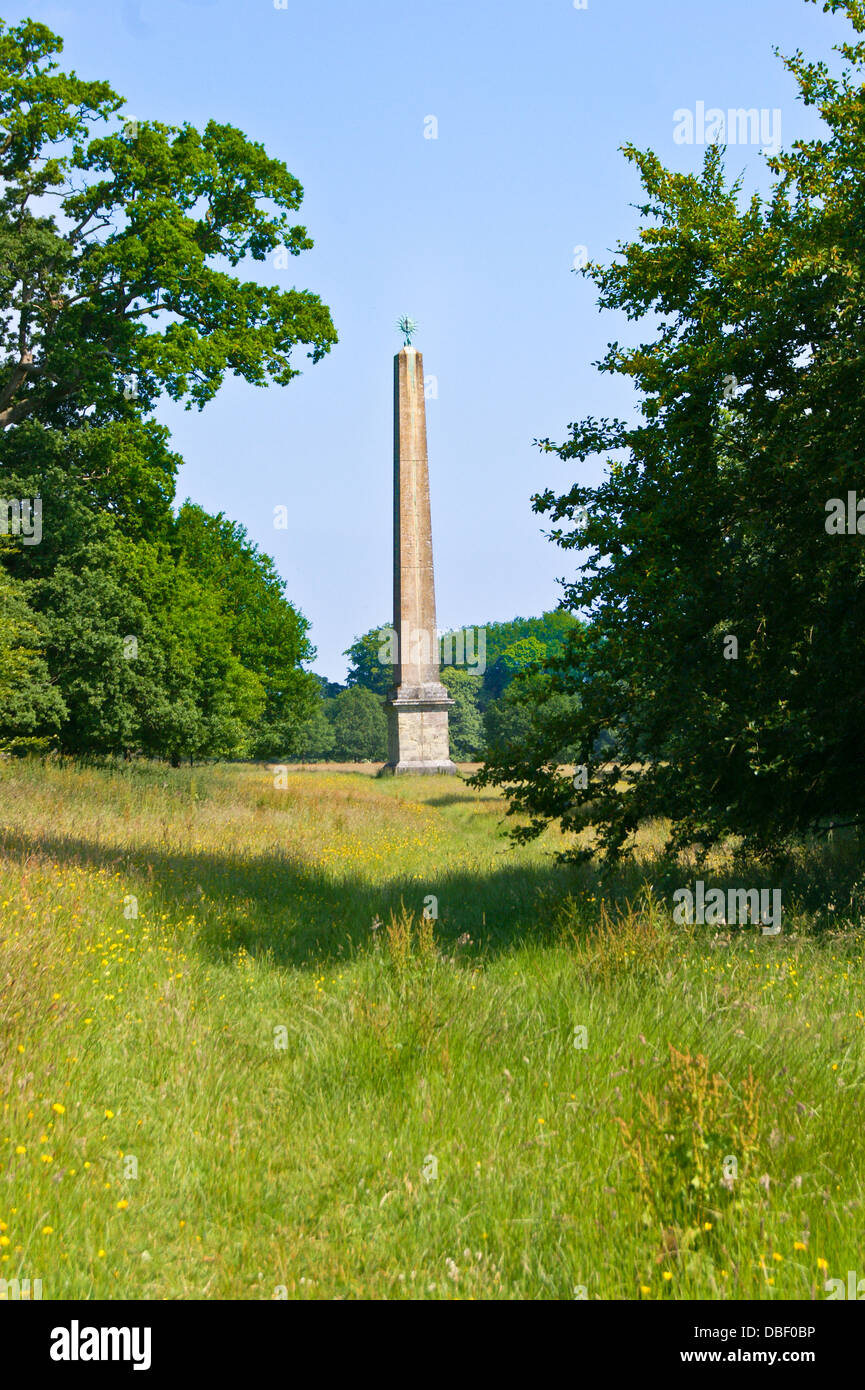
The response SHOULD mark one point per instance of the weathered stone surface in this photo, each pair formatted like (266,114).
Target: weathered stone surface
(417,710)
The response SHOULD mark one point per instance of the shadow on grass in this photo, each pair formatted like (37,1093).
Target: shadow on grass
(466,799)
(303,916)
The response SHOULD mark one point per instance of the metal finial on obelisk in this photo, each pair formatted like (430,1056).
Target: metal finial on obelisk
(407,327)
(417,708)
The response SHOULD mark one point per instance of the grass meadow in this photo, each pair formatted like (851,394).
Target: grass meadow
(237,1061)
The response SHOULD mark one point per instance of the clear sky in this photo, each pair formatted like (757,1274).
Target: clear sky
(472,233)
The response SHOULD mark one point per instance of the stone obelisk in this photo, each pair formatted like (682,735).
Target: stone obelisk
(417,708)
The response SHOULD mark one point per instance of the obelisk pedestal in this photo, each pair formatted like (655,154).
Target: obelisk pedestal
(417,708)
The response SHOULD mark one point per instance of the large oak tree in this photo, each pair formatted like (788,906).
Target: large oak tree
(119,243)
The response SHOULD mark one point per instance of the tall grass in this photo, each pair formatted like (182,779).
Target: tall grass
(344,1040)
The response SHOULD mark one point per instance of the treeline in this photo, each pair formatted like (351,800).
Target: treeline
(129,629)
(496,698)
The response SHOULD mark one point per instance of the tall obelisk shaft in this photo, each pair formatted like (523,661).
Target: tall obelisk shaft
(417,710)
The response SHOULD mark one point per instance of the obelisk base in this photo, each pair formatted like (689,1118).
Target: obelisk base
(417,732)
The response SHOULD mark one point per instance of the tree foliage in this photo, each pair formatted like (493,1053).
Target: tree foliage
(31,707)
(268,635)
(358,725)
(465,721)
(709,524)
(492,654)
(127,628)
(365,666)
(122,290)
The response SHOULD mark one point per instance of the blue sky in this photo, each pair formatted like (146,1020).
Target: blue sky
(472,233)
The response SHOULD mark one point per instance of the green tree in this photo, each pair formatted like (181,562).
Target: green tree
(189,638)
(480,647)
(31,708)
(726,653)
(116,478)
(142,654)
(533,719)
(489,640)
(359,726)
(365,666)
(465,721)
(313,740)
(122,294)
(268,635)
(525,654)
